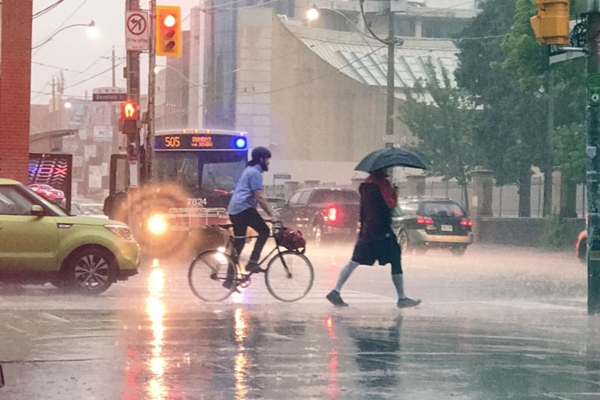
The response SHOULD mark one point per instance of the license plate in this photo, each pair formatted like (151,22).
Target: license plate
(446,228)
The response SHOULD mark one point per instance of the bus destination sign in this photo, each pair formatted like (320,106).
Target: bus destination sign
(200,142)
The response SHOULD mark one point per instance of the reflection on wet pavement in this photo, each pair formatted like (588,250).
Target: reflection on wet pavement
(154,340)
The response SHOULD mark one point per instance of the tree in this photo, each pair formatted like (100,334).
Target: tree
(505,133)
(442,118)
(559,86)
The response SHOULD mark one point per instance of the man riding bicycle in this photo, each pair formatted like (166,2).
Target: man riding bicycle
(247,195)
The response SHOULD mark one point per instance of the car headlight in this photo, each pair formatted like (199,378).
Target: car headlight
(157,224)
(121,231)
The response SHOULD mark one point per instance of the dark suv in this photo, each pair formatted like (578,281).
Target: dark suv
(323,212)
(422,223)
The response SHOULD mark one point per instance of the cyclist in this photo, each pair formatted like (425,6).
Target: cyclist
(247,195)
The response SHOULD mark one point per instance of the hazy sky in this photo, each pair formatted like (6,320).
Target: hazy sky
(79,57)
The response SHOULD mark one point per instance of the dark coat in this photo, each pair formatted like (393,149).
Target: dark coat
(376,240)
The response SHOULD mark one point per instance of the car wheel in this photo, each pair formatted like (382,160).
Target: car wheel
(458,251)
(317,235)
(582,254)
(89,271)
(403,241)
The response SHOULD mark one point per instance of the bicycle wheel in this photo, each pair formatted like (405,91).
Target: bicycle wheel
(289,276)
(207,274)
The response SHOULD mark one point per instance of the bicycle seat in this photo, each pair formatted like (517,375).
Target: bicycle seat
(225,226)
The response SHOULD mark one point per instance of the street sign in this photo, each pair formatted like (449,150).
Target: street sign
(578,40)
(109,97)
(282,176)
(137,31)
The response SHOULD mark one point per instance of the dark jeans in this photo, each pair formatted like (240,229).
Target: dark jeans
(249,218)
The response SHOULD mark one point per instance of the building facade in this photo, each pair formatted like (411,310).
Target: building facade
(313,92)
(15,86)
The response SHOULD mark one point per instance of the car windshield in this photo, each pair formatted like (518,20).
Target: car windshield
(442,209)
(56,209)
(47,187)
(335,196)
(275,202)
(408,208)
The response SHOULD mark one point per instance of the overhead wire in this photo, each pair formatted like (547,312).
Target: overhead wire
(46,10)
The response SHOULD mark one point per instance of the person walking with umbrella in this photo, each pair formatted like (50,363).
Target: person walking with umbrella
(376,240)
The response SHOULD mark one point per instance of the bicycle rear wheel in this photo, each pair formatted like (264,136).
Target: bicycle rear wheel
(208,273)
(289,276)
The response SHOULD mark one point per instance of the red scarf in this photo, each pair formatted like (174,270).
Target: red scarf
(387,191)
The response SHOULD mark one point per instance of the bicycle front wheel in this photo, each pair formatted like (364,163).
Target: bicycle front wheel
(208,273)
(289,276)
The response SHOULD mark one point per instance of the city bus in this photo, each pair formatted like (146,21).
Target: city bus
(204,163)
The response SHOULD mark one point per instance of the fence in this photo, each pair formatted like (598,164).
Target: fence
(505,199)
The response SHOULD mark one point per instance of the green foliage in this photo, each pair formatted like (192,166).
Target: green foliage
(509,124)
(569,150)
(557,234)
(523,55)
(442,117)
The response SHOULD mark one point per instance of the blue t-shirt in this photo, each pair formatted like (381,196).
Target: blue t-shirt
(243,194)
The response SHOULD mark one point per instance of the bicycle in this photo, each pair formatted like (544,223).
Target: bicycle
(289,274)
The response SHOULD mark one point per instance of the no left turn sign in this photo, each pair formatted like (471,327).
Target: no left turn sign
(137,35)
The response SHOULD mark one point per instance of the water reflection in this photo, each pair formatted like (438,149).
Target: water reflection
(333,385)
(241,359)
(156,312)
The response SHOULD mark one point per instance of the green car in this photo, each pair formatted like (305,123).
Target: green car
(40,242)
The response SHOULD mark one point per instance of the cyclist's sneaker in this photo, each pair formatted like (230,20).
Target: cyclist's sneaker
(335,299)
(406,303)
(253,267)
(228,284)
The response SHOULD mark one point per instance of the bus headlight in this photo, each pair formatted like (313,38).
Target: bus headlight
(158,225)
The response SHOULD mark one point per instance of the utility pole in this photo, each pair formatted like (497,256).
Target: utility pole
(389,114)
(593,162)
(53,95)
(133,93)
(114,68)
(151,95)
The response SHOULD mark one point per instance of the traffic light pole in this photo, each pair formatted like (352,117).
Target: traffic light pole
(133,93)
(593,162)
(149,162)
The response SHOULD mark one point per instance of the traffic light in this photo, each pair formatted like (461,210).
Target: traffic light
(168,31)
(551,24)
(129,110)
(129,117)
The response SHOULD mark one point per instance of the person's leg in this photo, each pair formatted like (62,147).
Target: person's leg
(239,229)
(256,222)
(398,279)
(334,296)
(240,226)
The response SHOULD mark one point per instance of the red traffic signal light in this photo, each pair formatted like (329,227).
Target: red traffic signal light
(168,31)
(129,110)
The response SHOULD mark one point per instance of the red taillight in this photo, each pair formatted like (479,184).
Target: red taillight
(332,214)
(466,222)
(424,220)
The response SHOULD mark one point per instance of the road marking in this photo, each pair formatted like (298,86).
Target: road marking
(52,317)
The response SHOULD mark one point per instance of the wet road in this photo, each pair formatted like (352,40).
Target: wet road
(494,324)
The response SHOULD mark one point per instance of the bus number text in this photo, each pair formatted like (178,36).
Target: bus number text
(172,141)
(197,202)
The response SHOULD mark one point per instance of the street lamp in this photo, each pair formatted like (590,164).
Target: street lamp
(92,32)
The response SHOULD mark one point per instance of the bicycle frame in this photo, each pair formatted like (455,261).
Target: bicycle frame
(240,272)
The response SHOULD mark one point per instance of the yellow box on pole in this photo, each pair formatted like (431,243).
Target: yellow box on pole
(168,31)
(551,24)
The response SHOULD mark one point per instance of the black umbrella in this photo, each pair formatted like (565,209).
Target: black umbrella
(386,158)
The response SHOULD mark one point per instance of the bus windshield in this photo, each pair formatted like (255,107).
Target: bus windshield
(208,177)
